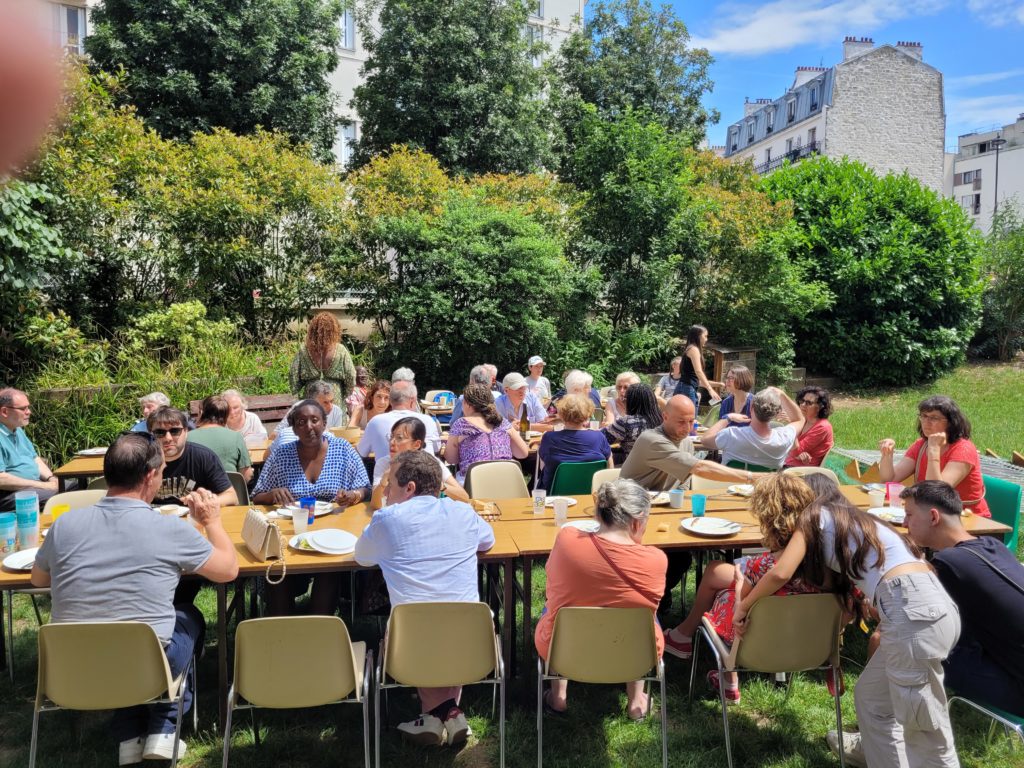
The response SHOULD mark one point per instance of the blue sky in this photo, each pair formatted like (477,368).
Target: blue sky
(976,44)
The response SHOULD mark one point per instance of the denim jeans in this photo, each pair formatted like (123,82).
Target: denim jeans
(971,673)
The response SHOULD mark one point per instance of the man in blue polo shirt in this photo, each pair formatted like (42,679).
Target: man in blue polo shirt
(21,469)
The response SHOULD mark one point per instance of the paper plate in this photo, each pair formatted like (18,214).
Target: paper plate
(741,490)
(322,508)
(21,560)
(658,499)
(533,433)
(173,509)
(587,526)
(712,527)
(550,501)
(894,515)
(309,542)
(333,541)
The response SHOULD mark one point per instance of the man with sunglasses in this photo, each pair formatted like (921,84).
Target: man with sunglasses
(190,466)
(21,468)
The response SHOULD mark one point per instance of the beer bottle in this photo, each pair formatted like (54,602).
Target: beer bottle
(524,422)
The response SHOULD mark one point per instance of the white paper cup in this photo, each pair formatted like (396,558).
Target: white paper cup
(539,497)
(877,498)
(595,424)
(561,512)
(300,519)
(676,498)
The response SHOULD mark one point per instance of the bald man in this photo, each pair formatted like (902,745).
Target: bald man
(29,83)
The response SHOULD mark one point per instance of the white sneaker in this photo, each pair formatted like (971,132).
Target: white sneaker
(456,727)
(160,746)
(130,752)
(853,749)
(425,730)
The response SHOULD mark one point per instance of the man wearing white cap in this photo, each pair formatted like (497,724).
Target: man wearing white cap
(536,381)
(518,397)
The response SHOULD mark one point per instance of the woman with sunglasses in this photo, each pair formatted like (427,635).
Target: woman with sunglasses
(943,451)
(815,439)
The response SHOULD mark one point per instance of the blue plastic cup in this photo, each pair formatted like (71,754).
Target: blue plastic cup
(308,503)
(699,502)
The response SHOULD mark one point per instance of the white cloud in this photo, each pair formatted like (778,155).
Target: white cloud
(981,113)
(997,13)
(972,81)
(784,24)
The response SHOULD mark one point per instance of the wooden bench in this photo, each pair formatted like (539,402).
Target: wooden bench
(270,408)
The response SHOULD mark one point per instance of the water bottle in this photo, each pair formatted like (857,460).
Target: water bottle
(26,510)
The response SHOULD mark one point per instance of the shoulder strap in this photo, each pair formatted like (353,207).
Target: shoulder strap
(995,569)
(621,574)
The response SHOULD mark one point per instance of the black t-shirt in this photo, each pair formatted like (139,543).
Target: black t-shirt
(197,463)
(991,601)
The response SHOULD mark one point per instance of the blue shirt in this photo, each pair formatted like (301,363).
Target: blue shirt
(575,445)
(343,470)
(457,408)
(535,410)
(426,548)
(727,405)
(17,454)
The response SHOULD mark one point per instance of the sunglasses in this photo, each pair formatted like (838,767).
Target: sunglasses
(173,432)
(808,402)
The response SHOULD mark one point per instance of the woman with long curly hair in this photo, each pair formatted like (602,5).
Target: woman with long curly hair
(323,358)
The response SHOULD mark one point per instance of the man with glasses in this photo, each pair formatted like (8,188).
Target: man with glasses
(189,465)
(21,468)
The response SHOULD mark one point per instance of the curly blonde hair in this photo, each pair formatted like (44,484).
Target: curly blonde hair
(777,504)
(323,336)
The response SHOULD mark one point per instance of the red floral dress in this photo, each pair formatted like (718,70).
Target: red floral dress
(754,568)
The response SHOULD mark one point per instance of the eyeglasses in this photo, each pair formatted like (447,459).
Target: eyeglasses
(173,432)
(808,402)
(20,407)
(931,419)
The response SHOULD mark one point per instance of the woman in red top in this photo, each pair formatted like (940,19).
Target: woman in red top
(943,452)
(610,569)
(815,439)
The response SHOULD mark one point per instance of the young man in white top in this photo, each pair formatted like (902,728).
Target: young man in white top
(760,445)
(427,549)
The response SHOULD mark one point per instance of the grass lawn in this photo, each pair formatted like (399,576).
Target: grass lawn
(769,729)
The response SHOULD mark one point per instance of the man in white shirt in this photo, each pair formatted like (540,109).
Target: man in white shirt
(760,445)
(427,549)
(377,437)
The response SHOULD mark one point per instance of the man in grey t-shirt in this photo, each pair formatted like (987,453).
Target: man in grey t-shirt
(121,560)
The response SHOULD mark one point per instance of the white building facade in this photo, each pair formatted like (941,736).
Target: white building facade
(983,175)
(880,105)
(551,22)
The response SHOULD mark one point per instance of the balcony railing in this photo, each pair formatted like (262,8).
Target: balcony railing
(793,156)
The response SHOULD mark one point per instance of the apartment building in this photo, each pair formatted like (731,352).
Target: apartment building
(988,169)
(67,22)
(881,105)
(550,22)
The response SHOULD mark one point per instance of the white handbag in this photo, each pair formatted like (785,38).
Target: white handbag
(263,539)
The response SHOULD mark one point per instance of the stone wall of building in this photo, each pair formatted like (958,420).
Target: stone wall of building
(887,111)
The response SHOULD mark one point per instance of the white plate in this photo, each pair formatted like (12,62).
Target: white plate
(658,499)
(21,560)
(307,542)
(712,527)
(322,508)
(94,451)
(333,541)
(533,433)
(587,526)
(550,501)
(894,515)
(741,490)
(173,509)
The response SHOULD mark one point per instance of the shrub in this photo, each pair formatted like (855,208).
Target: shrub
(902,265)
(1002,329)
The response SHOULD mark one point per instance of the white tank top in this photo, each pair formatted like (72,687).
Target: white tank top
(896,553)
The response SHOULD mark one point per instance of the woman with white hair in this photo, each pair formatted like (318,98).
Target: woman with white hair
(611,568)
(149,403)
(615,408)
(576,382)
(244,422)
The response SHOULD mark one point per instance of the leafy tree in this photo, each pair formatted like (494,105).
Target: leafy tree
(1002,330)
(631,56)
(193,65)
(454,78)
(901,263)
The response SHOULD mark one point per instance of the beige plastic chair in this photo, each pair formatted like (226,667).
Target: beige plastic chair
(104,665)
(793,633)
(437,645)
(75,499)
(240,486)
(803,471)
(496,480)
(605,646)
(698,483)
(603,476)
(266,675)
(98,482)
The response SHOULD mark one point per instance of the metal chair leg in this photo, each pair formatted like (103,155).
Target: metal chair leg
(35,607)
(664,716)
(227,731)
(540,714)
(836,676)
(693,663)
(35,736)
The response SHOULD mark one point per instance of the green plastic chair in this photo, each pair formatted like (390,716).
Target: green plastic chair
(1012,724)
(736,464)
(1003,499)
(574,478)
